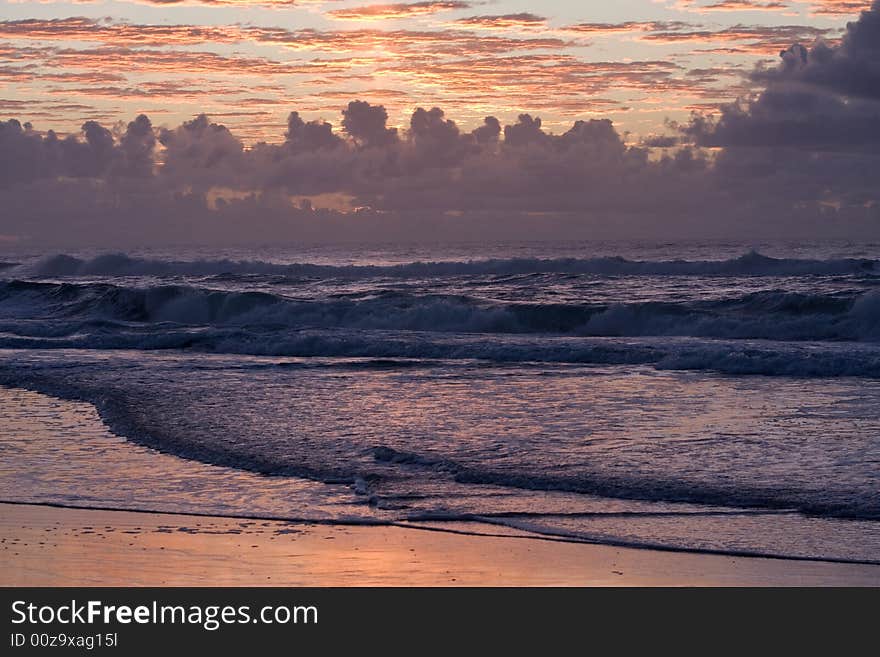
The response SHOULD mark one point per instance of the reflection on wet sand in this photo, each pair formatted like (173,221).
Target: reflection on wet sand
(42,545)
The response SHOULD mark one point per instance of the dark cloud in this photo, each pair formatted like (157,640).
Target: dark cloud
(201,153)
(136,147)
(311,136)
(489,132)
(822,98)
(783,169)
(851,69)
(27,155)
(660,141)
(92,158)
(367,124)
(432,169)
(436,141)
(795,117)
(526,130)
(431,129)
(808,142)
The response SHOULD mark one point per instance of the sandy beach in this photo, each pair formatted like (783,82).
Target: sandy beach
(48,546)
(55,443)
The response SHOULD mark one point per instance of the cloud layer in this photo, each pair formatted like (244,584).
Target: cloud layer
(824,98)
(795,155)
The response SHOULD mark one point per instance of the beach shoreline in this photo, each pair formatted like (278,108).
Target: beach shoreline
(52,546)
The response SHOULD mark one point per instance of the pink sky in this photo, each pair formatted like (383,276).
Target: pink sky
(248,64)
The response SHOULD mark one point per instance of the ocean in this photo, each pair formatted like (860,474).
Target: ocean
(709,397)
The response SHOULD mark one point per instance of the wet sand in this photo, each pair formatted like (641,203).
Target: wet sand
(49,546)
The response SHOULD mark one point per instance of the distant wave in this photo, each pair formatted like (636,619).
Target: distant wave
(750,264)
(768,315)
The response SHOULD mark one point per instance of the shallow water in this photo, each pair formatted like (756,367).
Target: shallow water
(695,397)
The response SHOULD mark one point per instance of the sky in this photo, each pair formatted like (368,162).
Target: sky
(304,119)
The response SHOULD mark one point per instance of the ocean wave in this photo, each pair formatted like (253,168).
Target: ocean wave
(654,490)
(130,416)
(29,306)
(382,349)
(681,492)
(749,264)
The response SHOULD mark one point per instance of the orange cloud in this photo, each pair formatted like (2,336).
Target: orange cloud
(402,42)
(751,39)
(146,61)
(169,66)
(106,31)
(535,81)
(817,7)
(220,3)
(757,39)
(396,10)
(502,22)
(732,5)
(398,42)
(627,27)
(836,7)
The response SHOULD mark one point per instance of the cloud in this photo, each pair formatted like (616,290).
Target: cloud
(796,118)
(136,147)
(626,27)
(497,179)
(200,152)
(732,5)
(822,97)
(26,155)
(836,7)
(186,69)
(523,20)
(749,39)
(489,132)
(551,82)
(526,130)
(279,4)
(435,139)
(756,39)
(367,124)
(311,136)
(851,69)
(660,141)
(811,137)
(395,10)
(832,8)
(124,59)
(115,33)
(799,158)
(405,42)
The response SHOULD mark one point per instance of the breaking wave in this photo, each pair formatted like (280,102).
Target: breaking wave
(768,315)
(819,330)
(750,264)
